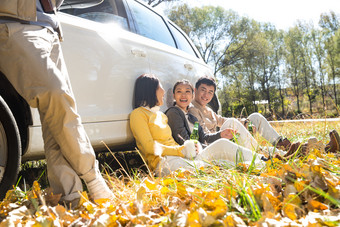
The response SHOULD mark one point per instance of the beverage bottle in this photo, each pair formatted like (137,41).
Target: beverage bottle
(235,138)
(194,135)
(250,127)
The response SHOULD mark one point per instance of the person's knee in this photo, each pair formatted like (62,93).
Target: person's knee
(231,123)
(222,143)
(256,117)
(55,96)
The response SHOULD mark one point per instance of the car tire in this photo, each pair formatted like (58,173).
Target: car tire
(10,149)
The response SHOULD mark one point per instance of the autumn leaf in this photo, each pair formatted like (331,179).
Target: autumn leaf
(314,205)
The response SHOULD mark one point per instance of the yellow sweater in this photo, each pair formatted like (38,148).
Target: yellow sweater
(153,136)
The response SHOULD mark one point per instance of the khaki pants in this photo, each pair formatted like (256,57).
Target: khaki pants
(31,59)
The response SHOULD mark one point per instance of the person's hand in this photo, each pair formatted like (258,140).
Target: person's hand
(228,133)
(254,130)
(245,123)
(198,148)
(190,149)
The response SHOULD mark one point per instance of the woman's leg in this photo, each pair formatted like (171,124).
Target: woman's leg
(173,163)
(245,139)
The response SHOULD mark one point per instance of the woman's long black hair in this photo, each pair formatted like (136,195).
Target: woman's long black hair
(145,90)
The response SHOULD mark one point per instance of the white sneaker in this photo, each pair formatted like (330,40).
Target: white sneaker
(98,189)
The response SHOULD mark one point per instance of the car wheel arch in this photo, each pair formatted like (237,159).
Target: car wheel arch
(19,108)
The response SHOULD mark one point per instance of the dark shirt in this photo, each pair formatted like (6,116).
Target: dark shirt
(181,130)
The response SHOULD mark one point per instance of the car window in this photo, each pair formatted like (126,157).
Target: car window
(182,42)
(150,24)
(107,12)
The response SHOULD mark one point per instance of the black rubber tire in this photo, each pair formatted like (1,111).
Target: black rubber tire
(9,135)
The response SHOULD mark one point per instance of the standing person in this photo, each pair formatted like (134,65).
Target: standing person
(32,60)
(154,139)
(205,89)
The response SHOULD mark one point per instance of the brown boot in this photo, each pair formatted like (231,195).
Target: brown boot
(290,153)
(334,144)
(292,149)
(283,144)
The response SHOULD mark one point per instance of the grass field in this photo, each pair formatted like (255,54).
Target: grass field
(304,191)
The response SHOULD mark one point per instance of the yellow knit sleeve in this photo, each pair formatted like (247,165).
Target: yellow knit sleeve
(139,124)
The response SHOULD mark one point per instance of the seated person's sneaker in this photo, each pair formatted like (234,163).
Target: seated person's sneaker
(283,144)
(334,144)
(98,189)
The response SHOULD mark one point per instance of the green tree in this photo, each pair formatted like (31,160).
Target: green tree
(220,35)
(330,24)
(320,56)
(293,62)
(267,64)
(281,79)
(306,53)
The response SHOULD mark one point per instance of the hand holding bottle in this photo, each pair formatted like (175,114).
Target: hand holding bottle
(190,149)
(228,133)
(194,134)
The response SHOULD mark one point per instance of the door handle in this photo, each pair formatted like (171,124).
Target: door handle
(188,66)
(138,53)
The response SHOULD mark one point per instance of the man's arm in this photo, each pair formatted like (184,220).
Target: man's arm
(220,120)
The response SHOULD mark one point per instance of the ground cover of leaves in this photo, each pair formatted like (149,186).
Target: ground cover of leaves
(304,191)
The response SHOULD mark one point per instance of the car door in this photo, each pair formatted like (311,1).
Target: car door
(103,59)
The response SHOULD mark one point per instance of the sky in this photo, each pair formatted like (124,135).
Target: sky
(282,13)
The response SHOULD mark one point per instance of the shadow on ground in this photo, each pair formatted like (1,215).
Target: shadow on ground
(123,163)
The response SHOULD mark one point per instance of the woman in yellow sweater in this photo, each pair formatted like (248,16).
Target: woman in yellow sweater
(154,137)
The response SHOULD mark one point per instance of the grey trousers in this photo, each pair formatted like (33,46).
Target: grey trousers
(32,60)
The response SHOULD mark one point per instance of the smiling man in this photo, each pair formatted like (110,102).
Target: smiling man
(205,89)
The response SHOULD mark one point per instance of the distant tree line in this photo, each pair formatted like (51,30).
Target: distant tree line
(294,71)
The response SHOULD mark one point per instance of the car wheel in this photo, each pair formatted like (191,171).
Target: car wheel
(10,149)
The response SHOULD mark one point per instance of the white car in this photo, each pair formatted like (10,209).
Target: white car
(106,47)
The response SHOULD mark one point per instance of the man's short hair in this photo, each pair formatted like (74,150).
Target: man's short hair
(208,80)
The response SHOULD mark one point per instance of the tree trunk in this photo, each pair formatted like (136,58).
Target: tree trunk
(310,104)
(298,103)
(282,102)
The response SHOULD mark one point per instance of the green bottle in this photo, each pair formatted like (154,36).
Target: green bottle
(250,127)
(194,135)
(235,138)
